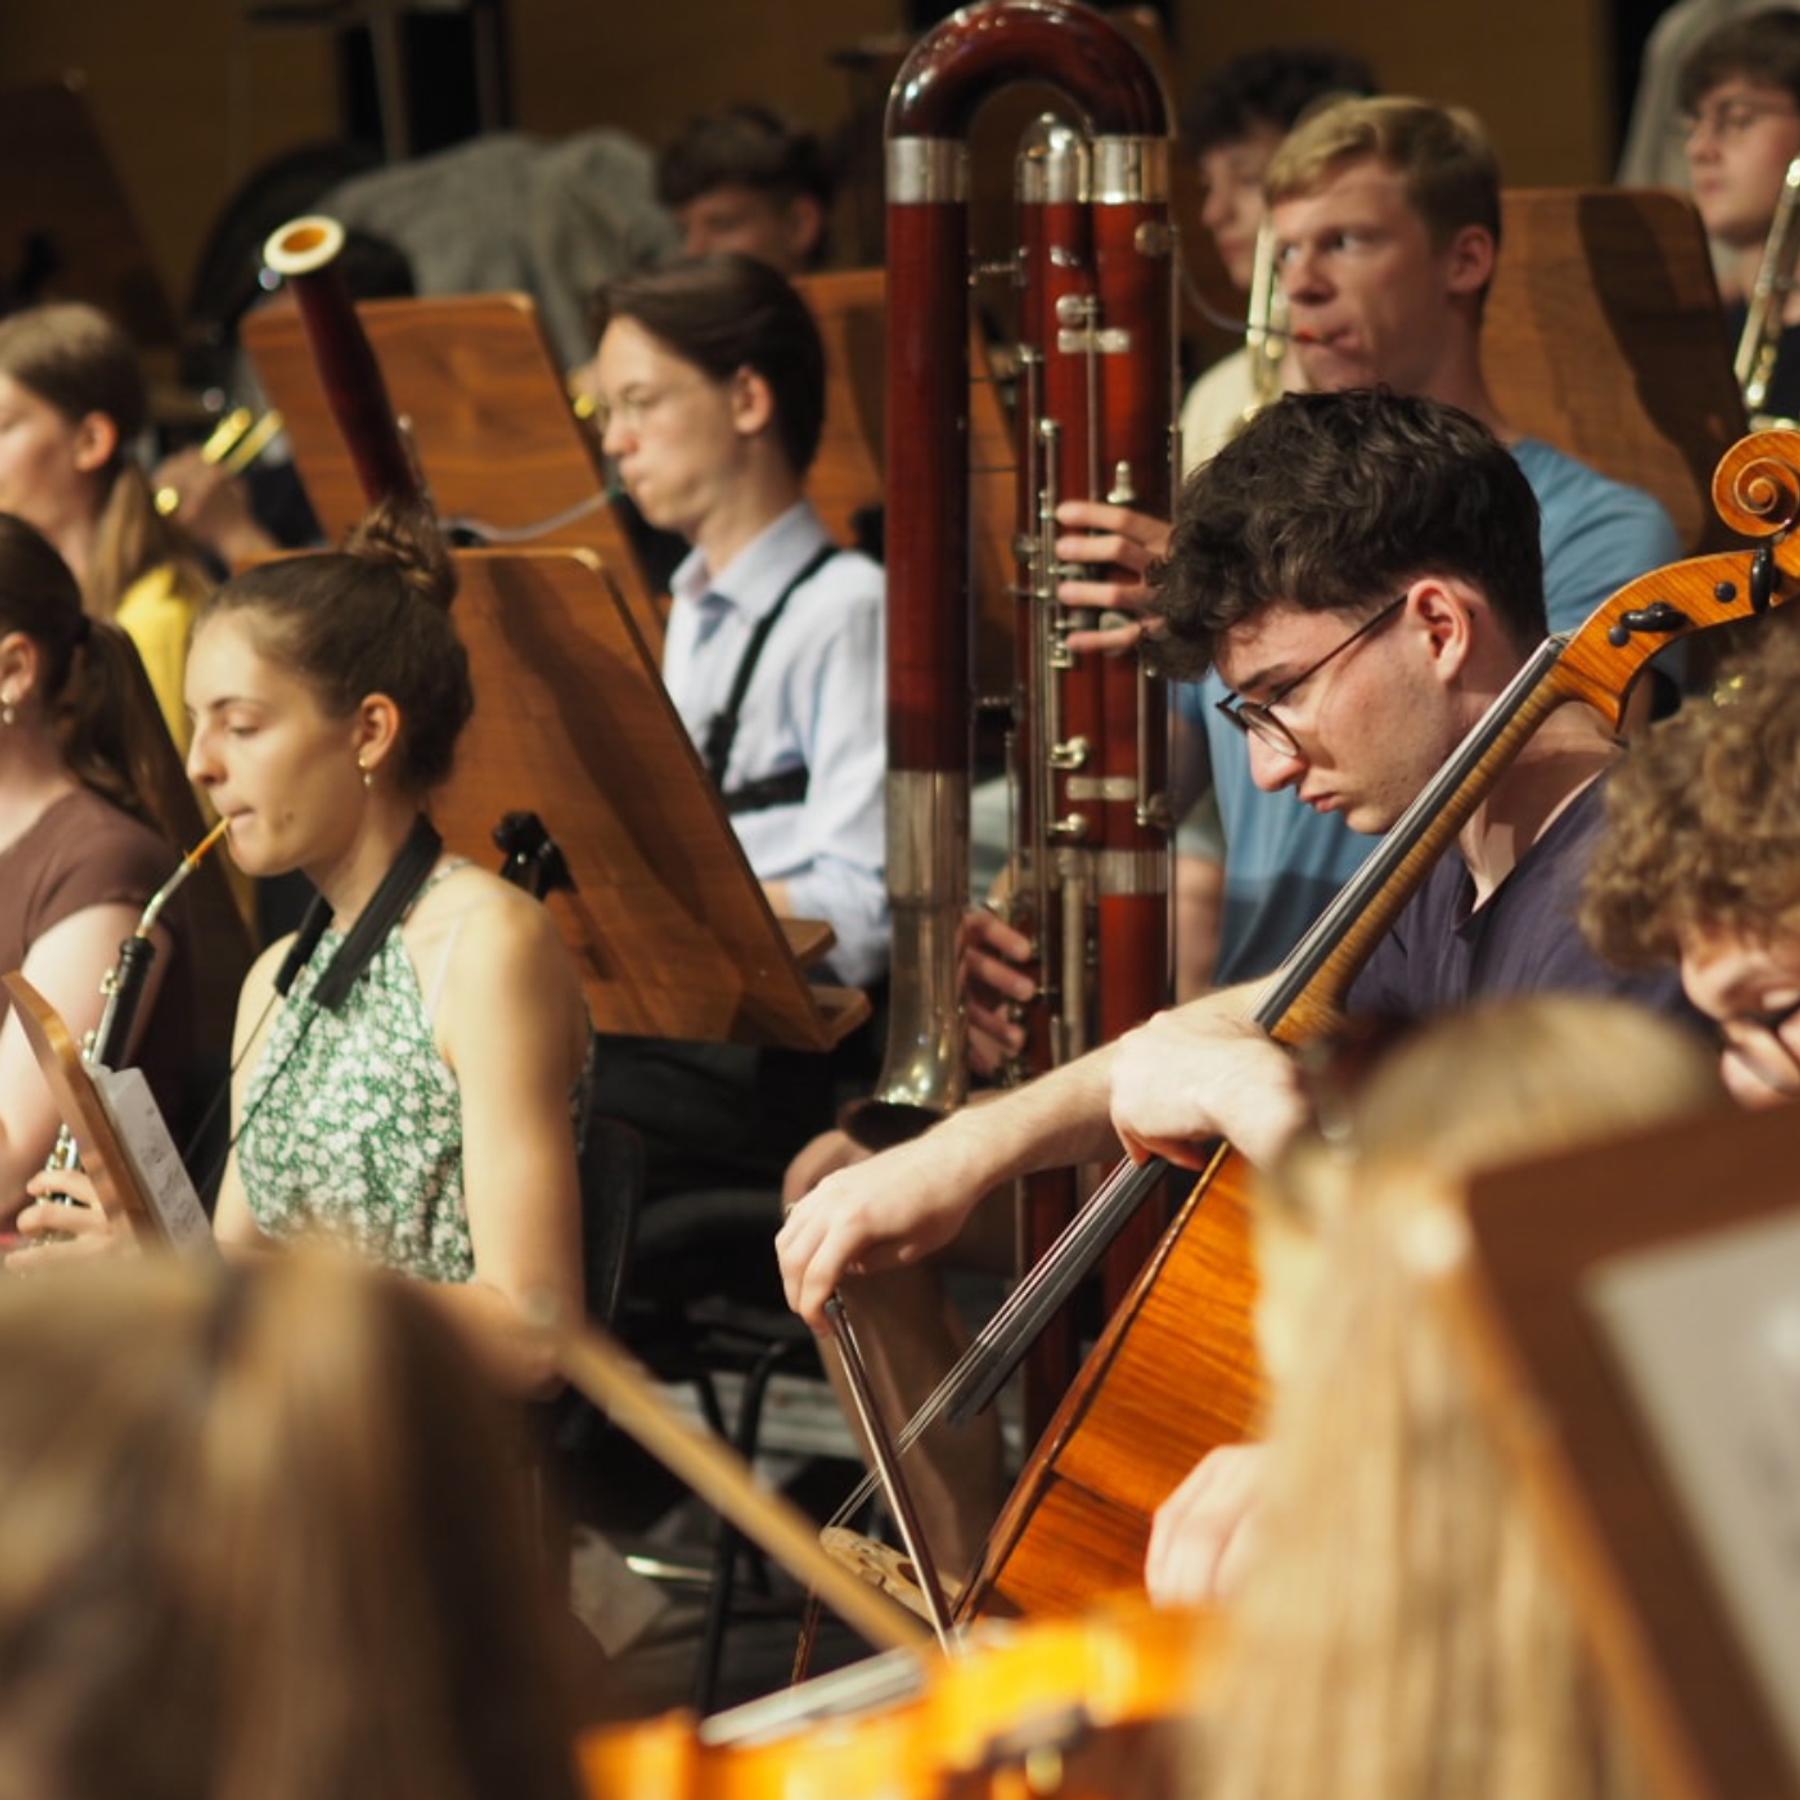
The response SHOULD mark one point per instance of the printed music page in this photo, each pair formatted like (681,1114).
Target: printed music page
(144,1137)
(1707,1333)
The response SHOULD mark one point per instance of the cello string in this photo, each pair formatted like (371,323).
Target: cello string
(1070,1241)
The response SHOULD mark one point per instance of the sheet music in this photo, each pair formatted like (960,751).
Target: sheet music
(164,1178)
(1707,1332)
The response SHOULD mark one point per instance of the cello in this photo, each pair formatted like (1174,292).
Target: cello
(1174,1374)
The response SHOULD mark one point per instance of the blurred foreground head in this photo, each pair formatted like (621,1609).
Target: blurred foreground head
(261,1534)
(1400,1631)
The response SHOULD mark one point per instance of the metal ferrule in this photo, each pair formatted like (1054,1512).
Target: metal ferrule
(1134,871)
(1130,169)
(928,888)
(1052,163)
(923,171)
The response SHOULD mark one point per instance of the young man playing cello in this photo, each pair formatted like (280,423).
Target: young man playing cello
(1362,570)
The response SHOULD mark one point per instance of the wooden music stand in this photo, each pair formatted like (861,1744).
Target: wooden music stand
(481,398)
(103,1156)
(671,930)
(1538,1297)
(1604,336)
(67,231)
(846,477)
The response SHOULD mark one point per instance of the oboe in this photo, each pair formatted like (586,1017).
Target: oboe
(123,986)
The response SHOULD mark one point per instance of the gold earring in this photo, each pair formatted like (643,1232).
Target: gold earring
(7,713)
(368,774)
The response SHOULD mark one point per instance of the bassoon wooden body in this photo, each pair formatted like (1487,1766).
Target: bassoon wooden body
(304,252)
(1096,399)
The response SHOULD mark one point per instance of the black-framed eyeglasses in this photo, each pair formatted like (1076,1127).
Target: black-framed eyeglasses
(1728,120)
(1257,717)
(1764,1026)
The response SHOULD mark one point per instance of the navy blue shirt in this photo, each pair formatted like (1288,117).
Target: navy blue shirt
(1441,952)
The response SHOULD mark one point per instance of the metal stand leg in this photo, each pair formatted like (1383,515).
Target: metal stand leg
(730,1542)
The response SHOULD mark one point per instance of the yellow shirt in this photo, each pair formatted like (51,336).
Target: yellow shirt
(159,618)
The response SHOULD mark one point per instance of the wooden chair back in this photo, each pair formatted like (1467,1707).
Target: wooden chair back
(1604,337)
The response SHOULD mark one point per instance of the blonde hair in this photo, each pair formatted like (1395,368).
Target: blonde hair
(1442,153)
(1400,1632)
(72,357)
(258,1542)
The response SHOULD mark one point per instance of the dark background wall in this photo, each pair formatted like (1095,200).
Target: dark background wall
(189,96)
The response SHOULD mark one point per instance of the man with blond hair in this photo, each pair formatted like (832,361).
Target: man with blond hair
(1386,215)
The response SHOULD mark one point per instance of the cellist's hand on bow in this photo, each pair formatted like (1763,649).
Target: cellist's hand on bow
(1197,1073)
(885,1213)
(1127,543)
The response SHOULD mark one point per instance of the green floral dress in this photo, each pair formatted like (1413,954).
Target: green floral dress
(355,1121)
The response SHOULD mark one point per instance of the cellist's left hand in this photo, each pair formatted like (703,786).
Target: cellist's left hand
(1197,1073)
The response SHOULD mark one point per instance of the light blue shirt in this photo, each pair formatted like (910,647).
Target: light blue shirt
(1284,862)
(818,701)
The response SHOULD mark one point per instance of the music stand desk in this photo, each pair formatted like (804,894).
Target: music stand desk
(1556,1385)
(670,929)
(483,404)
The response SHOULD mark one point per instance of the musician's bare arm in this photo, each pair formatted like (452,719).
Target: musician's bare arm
(513,1029)
(899,1206)
(1199,1072)
(895,1208)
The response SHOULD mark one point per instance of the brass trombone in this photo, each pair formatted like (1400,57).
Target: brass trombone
(1759,344)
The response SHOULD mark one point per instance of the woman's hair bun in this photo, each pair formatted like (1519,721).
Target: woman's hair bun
(403,535)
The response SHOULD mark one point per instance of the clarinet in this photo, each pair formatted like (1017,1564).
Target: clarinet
(123,986)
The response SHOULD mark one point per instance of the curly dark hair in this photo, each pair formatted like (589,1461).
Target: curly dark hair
(1270,87)
(1334,502)
(1703,816)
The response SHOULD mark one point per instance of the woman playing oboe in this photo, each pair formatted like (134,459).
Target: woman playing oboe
(419,1111)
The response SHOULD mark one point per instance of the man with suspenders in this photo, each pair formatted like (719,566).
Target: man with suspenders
(711,385)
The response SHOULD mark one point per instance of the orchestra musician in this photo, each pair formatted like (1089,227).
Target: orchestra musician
(261,1537)
(81,851)
(1397,1626)
(1387,218)
(1362,569)
(711,378)
(72,405)
(1232,126)
(747,180)
(1739,94)
(1699,865)
(1388,214)
(423,1114)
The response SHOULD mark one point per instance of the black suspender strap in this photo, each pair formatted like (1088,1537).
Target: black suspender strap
(786,789)
(721,732)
